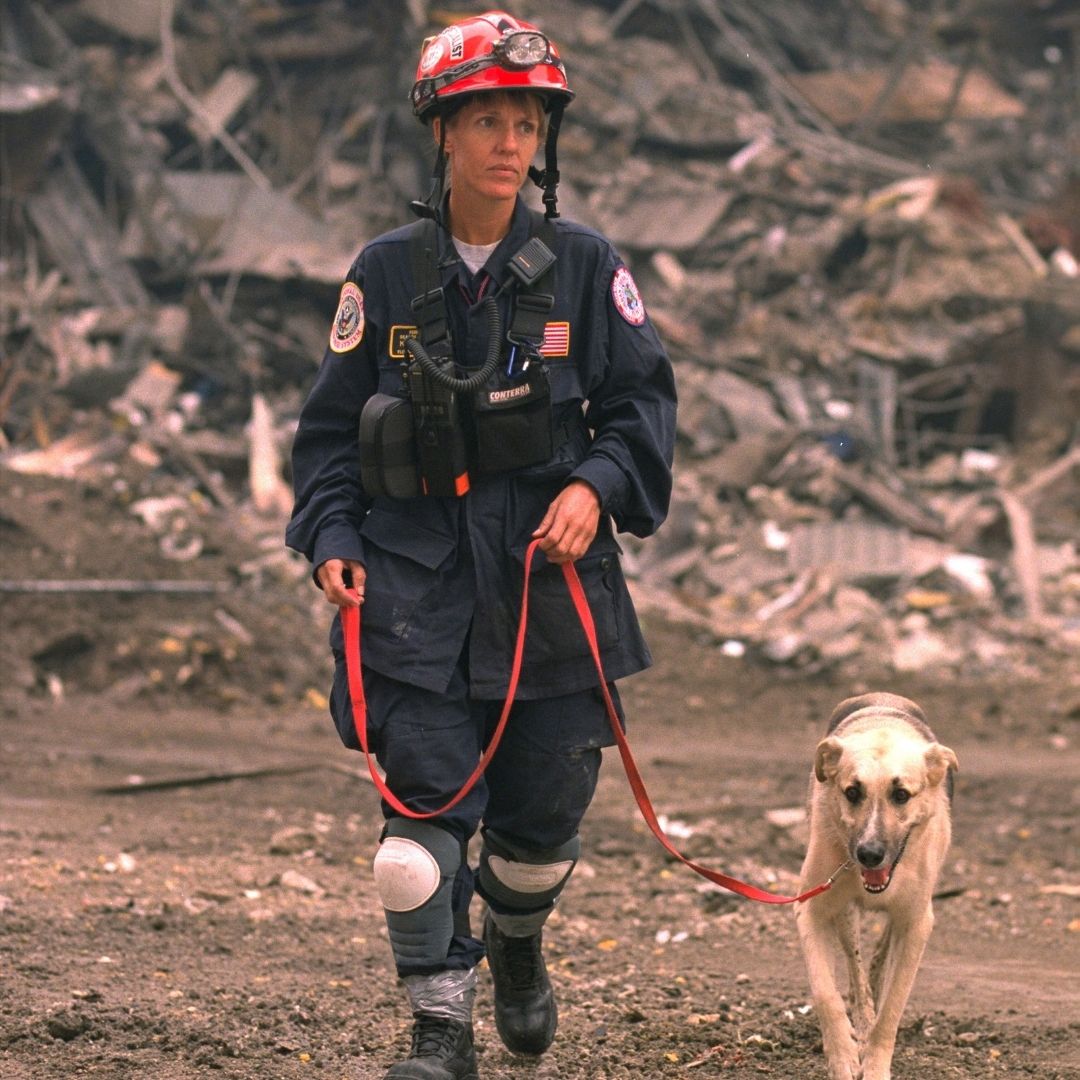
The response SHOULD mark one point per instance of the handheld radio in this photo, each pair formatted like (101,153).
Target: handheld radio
(439,433)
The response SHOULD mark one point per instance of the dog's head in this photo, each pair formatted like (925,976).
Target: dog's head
(884,776)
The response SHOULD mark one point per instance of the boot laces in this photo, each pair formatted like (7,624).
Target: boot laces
(524,961)
(434,1036)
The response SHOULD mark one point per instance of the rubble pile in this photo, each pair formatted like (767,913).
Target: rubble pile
(856,225)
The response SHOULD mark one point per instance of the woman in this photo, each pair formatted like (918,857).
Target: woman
(542,407)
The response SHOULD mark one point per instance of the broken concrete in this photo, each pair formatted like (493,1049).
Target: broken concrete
(859,245)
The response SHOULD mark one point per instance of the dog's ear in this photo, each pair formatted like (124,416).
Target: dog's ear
(939,760)
(827,758)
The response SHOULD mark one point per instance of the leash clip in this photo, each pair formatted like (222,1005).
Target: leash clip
(847,864)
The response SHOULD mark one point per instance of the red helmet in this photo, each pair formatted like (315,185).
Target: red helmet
(493,51)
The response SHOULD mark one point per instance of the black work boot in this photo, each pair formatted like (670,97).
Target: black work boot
(441,1050)
(525,1012)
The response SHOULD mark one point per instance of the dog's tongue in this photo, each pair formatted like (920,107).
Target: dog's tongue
(876,877)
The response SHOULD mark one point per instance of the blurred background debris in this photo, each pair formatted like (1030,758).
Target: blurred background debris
(856,225)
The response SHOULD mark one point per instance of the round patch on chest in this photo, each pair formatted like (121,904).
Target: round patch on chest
(348,329)
(624,292)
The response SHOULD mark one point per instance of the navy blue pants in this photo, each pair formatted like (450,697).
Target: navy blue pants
(535,791)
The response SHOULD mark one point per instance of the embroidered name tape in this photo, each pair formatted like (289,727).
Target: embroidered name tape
(497,397)
(398,334)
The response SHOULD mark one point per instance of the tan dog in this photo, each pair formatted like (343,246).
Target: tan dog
(879,803)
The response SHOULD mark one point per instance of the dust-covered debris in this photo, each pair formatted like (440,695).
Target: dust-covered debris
(855,225)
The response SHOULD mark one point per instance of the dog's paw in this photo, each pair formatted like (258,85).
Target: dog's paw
(843,1060)
(844,1071)
(876,1067)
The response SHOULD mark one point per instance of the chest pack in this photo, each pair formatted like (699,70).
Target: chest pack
(461,418)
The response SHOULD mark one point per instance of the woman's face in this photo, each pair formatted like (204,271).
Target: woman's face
(491,143)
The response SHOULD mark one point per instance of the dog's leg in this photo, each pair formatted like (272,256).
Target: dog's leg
(859,995)
(877,964)
(818,935)
(897,965)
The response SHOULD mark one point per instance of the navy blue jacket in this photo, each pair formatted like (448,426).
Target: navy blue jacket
(445,571)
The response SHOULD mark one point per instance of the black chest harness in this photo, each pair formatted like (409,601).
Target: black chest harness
(456,419)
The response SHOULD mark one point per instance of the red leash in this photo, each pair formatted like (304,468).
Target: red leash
(350,622)
(350,626)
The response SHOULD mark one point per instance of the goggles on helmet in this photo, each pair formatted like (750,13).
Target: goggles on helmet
(516,50)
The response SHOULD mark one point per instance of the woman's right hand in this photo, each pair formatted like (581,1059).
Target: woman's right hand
(331,575)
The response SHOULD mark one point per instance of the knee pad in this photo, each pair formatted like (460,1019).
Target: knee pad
(414,872)
(518,879)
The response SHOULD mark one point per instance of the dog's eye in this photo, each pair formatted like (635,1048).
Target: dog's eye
(900,796)
(853,793)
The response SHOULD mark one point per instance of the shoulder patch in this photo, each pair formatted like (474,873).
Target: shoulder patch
(624,292)
(348,329)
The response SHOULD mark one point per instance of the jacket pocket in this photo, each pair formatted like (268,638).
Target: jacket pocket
(554,631)
(571,446)
(398,535)
(403,561)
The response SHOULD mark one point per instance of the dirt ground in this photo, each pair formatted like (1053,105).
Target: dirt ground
(195,925)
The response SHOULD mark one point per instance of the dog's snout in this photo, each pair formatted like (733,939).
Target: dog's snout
(870,854)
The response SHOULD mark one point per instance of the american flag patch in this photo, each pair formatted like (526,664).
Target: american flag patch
(556,339)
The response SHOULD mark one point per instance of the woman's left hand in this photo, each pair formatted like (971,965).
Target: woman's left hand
(570,523)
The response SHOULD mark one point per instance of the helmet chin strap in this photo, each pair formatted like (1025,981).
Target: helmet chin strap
(431,207)
(548,179)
